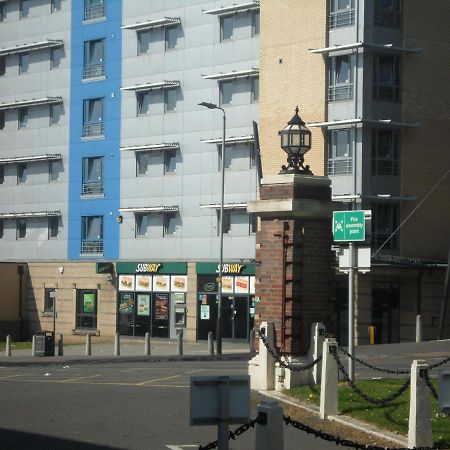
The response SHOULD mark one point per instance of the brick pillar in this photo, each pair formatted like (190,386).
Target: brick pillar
(293,249)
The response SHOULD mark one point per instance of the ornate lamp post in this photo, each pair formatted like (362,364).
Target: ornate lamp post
(295,141)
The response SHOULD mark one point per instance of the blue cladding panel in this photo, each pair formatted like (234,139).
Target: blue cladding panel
(109,89)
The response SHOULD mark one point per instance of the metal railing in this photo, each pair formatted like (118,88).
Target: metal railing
(92,188)
(94,70)
(90,247)
(339,93)
(342,18)
(94,12)
(384,167)
(340,166)
(93,129)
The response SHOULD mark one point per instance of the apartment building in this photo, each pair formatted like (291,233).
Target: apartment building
(110,168)
(371,81)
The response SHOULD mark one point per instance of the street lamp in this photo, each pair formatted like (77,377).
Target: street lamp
(295,141)
(219,279)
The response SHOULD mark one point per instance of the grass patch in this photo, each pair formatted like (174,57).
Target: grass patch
(393,417)
(16,346)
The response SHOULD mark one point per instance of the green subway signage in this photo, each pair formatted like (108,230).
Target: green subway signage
(165,268)
(204,268)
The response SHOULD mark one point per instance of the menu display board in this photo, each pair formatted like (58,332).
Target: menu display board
(227,285)
(126,283)
(161,311)
(126,303)
(178,283)
(143,305)
(241,285)
(161,283)
(88,302)
(143,283)
(252,285)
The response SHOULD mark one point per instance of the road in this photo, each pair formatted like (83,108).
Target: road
(131,406)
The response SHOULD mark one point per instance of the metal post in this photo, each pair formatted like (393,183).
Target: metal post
(251,341)
(210,343)
(351,310)
(88,345)
(418,328)
(444,300)
(8,345)
(219,286)
(223,426)
(54,314)
(147,344)
(33,345)
(117,345)
(61,345)
(180,342)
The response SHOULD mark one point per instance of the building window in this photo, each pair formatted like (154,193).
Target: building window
(55,114)
(56,55)
(24,8)
(143,41)
(388,13)
(255,23)
(94,9)
(226,92)
(55,6)
(253,223)
(385,152)
(94,65)
(92,176)
(141,225)
(169,224)
(171,37)
(86,309)
(340,85)
(170,160)
(170,100)
(24,63)
(54,170)
(386,78)
(22,173)
(2,66)
(255,90)
(53,227)
(342,13)
(91,235)
(226,27)
(23,117)
(142,160)
(21,229)
(143,103)
(49,300)
(2,228)
(2,12)
(93,117)
(2,120)
(339,152)
(2,173)
(226,228)
(385,219)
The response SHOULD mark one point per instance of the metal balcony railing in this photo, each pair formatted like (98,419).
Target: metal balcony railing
(94,12)
(342,18)
(340,166)
(340,93)
(93,129)
(94,70)
(92,188)
(90,247)
(384,167)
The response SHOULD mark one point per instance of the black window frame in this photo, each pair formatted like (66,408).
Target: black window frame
(53,227)
(386,165)
(2,173)
(379,236)
(86,320)
(2,66)
(94,69)
(386,17)
(2,120)
(21,229)
(22,173)
(2,228)
(386,91)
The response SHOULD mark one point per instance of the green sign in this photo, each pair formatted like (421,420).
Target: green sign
(227,269)
(166,268)
(89,303)
(349,226)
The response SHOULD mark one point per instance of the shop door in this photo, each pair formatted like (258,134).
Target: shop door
(125,314)
(142,323)
(160,315)
(206,315)
(240,317)
(385,314)
(227,317)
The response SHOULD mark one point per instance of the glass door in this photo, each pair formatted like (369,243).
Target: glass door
(125,314)
(240,317)
(160,315)
(142,323)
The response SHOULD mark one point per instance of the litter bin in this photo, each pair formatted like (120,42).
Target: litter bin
(44,343)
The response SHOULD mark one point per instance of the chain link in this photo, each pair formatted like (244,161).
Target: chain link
(374,401)
(284,364)
(430,385)
(370,366)
(440,363)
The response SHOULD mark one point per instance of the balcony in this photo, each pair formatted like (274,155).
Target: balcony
(94,129)
(340,166)
(340,93)
(91,247)
(92,188)
(342,19)
(94,12)
(94,71)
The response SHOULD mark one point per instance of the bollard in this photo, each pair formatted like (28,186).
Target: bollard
(418,328)
(419,432)
(372,330)
(117,345)
(251,341)
(147,349)
(33,345)
(269,429)
(8,345)
(180,342)
(316,348)
(267,361)
(210,343)
(88,345)
(61,345)
(329,381)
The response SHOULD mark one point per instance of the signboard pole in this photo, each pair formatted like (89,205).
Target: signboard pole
(351,310)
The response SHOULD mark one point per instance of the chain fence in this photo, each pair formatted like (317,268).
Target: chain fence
(374,401)
(438,364)
(430,385)
(283,363)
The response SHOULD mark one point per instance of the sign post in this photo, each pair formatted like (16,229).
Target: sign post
(350,226)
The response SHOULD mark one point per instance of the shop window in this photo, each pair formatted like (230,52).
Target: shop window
(94,9)
(170,224)
(2,120)
(340,79)
(92,176)
(55,114)
(226,27)
(53,227)
(94,63)
(170,100)
(386,80)
(21,229)
(143,103)
(24,63)
(170,160)
(93,117)
(342,13)
(388,13)
(55,6)
(49,300)
(385,152)
(91,235)
(2,228)
(385,219)
(171,37)
(2,66)
(143,42)
(226,92)
(56,55)
(86,309)
(255,23)
(141,224)
(23,117)
(339,152)
(24,8)
(22,173)
(54,169)
(255,90)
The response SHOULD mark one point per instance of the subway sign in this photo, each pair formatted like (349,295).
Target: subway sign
(169,268)
(227,269)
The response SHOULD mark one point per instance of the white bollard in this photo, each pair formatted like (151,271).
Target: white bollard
(33,345)
(269,429)
(210,343)
(88,345)
(419,432)
(147,344)
(418,328)
(180,342)
(329,381)
(117,345)
(251,341)
(267,361)
(8,346)
(316,348)
(61,345)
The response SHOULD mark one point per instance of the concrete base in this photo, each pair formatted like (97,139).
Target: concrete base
(288,379)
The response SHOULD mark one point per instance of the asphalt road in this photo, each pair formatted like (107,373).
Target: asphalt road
(131,406)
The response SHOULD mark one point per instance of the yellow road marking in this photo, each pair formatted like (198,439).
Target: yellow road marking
(194,371)
(158,379)
(71,380)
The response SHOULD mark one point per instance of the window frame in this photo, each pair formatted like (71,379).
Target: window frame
(21,9)
(230,36)
(22,173)
(256,24)
(223,83)
(141,225)
(2,66)
(393,218)
(92,186)
(254,90)
(55,6)
(386,166)
(342,17)
(139,35)
(55,107)
(2,174)
(93,128)
(227,217)
(2,228)
(2,120)
(167,31)
(387,92)
(54,169)
(339,165)
(21,229)
(49,301)
(142,155)
(169,155)
(169,219)
(93,69)
(140,96)
(24,58)
(22,114)
(56,51)
(81,314)
(340,91)
(2,12)
(95,245)
(53,227)
(380,14)
(167,93)
(94,10)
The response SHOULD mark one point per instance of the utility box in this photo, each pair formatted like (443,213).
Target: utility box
(44,343)
(444,390)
